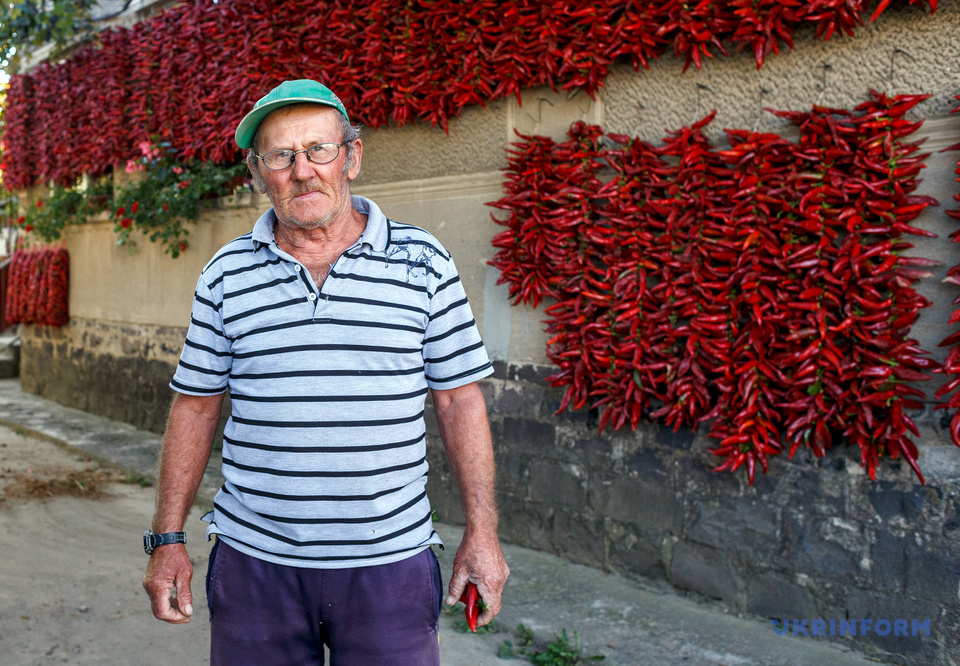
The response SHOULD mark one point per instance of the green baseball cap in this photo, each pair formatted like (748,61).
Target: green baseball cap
(288,92)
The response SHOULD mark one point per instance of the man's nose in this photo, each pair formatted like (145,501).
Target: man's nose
(302,168)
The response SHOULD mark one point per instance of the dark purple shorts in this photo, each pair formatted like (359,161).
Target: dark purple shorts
(265,614)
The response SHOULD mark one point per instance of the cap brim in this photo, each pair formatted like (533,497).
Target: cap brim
(248,126)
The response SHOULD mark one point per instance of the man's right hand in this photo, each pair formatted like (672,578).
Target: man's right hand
(170,571)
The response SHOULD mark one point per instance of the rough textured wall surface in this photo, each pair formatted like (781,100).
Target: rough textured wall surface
(474,143)
(928,61)
(140,284)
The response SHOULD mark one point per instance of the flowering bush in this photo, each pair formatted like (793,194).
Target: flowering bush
(169,196)
(159,205)
(65,205)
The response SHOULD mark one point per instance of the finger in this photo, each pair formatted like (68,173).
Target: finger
(490,607)
(486,617)
(184,596)
(163,609)
(458,582)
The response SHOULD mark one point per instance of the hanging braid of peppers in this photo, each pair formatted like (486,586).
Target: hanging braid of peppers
(700,355)
(816,334)
(634,262)
(38,288)
(885,359)
(581,318)
(951,366)
(529,250)
(750,422)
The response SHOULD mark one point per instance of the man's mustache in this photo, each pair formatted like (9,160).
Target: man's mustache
(307,188)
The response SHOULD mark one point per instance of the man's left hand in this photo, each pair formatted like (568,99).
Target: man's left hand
(480,560)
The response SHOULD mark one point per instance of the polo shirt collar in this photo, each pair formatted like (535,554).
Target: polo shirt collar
(376,234)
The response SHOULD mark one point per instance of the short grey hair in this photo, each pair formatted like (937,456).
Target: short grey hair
(348,133)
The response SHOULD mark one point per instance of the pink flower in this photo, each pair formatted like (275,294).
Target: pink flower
(177,170)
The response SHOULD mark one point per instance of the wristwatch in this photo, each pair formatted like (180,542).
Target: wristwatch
(151,540)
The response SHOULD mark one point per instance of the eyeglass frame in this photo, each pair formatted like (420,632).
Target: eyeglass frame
(306,151)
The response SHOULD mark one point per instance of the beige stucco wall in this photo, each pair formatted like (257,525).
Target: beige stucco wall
(141,284)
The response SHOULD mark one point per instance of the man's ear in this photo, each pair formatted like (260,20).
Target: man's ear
(253,167)
(354,169)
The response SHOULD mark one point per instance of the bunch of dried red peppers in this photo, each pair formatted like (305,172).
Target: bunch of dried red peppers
(951,365)
(38,289)
(765,288)
(187,75)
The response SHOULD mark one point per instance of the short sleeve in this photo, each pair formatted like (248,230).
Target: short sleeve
(453,353)
(207,354)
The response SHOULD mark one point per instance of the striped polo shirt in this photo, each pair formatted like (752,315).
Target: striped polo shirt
(324,453)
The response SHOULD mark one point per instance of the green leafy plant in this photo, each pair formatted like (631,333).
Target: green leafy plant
(170,195)
(26,24)
(159,204)
(559,653)
(137,479)
(524,641)
(65,205)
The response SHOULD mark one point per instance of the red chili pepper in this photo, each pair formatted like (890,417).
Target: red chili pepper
(471,597)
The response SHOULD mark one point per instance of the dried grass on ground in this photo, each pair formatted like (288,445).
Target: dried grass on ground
(48,483)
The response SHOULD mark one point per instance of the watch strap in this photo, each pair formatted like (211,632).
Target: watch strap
(151,541)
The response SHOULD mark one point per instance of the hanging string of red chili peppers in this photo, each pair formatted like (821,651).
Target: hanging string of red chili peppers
(38,287)
(763,288)
(951,366)
(187,75)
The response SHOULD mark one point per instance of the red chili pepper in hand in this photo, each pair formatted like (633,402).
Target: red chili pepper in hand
(471,597)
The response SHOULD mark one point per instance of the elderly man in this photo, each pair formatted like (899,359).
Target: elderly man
(328,323)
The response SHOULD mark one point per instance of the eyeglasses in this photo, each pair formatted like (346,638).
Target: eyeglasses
(322,153)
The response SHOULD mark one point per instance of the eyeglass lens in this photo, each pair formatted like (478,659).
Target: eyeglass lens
(321,153)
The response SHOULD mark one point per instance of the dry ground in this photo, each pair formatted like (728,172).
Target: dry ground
(71,562)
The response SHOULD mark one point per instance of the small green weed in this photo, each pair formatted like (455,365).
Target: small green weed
(137,480)
(559,653)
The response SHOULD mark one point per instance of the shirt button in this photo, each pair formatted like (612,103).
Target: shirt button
(312,297)
(297,268)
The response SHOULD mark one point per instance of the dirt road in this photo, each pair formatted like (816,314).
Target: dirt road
(72,565)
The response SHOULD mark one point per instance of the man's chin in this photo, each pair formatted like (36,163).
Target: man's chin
(306,225)
(304,220)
